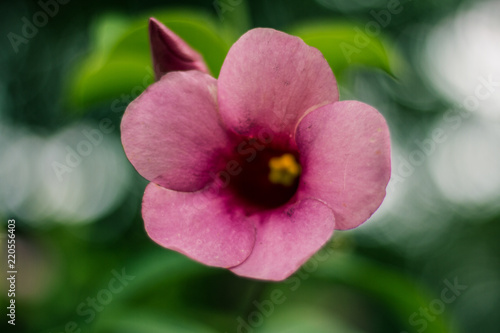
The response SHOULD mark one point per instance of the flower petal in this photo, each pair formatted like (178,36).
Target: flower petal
(270,80)
(345,155)
(170,52)
(286,239)
(172,133)
(198,224)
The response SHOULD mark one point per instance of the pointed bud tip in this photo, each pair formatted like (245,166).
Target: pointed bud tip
(170,52)
(154,23)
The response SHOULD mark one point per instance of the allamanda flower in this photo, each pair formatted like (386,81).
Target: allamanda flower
(254,170)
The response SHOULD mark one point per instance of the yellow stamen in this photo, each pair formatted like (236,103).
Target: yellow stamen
(284,169)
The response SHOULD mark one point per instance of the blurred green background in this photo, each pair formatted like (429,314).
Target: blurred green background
(427,261)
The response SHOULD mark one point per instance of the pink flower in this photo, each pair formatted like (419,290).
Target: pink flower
(254,170)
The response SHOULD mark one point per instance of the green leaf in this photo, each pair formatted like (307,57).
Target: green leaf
(304,318)
(198,30)
(160,267)
(121,62)
(107,29)
(234,18)
(133,321)
(124,75)
(347,44)
(402,295)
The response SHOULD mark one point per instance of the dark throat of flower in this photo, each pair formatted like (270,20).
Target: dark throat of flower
(266,179)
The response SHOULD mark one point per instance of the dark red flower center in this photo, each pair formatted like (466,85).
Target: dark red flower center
(268,181)
(260,175)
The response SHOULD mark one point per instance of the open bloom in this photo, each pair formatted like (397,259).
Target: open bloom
(254,170)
